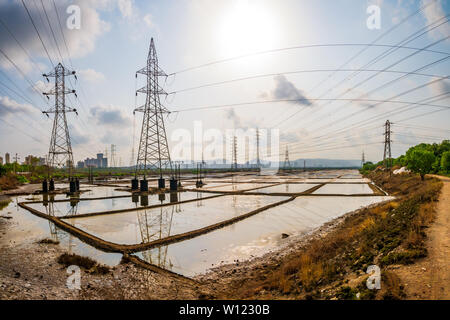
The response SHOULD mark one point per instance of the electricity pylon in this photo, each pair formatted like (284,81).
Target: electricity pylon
(258,162)
(387,144)
(153,147)
(287,163)
(234,154)
(60,151)
(363,159)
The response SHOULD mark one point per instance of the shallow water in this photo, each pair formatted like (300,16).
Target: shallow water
(253,236)
(61,209)
(28,228)
(151,224)
(344,189)
(238,187)
(286,188)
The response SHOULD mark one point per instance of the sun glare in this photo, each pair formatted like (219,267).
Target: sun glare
(245,28)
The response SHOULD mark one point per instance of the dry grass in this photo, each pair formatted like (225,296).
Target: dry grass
(389,233)
(48,241)
(391,288)
(86,263)
(8,182)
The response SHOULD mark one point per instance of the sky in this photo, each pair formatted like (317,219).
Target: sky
(319,55)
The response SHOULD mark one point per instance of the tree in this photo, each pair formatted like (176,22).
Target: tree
(3,170)
(445,161)
(420,161)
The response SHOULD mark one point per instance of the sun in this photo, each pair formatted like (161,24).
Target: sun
(247,27)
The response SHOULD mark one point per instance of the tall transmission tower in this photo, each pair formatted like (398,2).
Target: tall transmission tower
(287,163)
(258,161)
(363,159)
(387,158)
(60,152)
(247,152)
(153,147)
(234,156)
(224,149)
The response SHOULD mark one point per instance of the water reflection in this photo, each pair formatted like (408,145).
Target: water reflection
(48,201)
(153,226)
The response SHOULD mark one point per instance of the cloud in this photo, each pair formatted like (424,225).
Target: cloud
(432,13)
(110,116)
(148,19)
(231,115)
(440,87)
(9,106)
(91,75)
(80,42)
(42,86)
(77,137)
(126,8)
(291,136)
(286,90)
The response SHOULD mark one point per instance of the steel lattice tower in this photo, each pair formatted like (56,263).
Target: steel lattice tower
(60,152)
(387,144)
(363,159)
(287,163)
(153,147)
(258,161)
(234,154)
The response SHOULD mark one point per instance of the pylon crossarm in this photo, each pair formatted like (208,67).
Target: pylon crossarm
(146,90)
(146,71)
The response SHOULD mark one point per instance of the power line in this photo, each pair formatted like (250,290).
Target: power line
(240,104)
(300,47)
(376,59)
(297,72)
(35,28)
(22,73)
(372,119)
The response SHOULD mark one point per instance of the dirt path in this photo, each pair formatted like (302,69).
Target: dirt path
(430,278)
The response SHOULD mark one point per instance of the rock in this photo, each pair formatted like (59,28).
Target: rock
(17,275)
(284,235)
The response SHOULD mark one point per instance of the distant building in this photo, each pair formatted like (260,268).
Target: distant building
(1,160)
(99,162)
(7,159)
(28,159)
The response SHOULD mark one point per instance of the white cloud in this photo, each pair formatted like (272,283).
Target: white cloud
(433,13)
(9,106)
(91,75)
(148,20)
(42,86)
(80,42)
(126,8)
